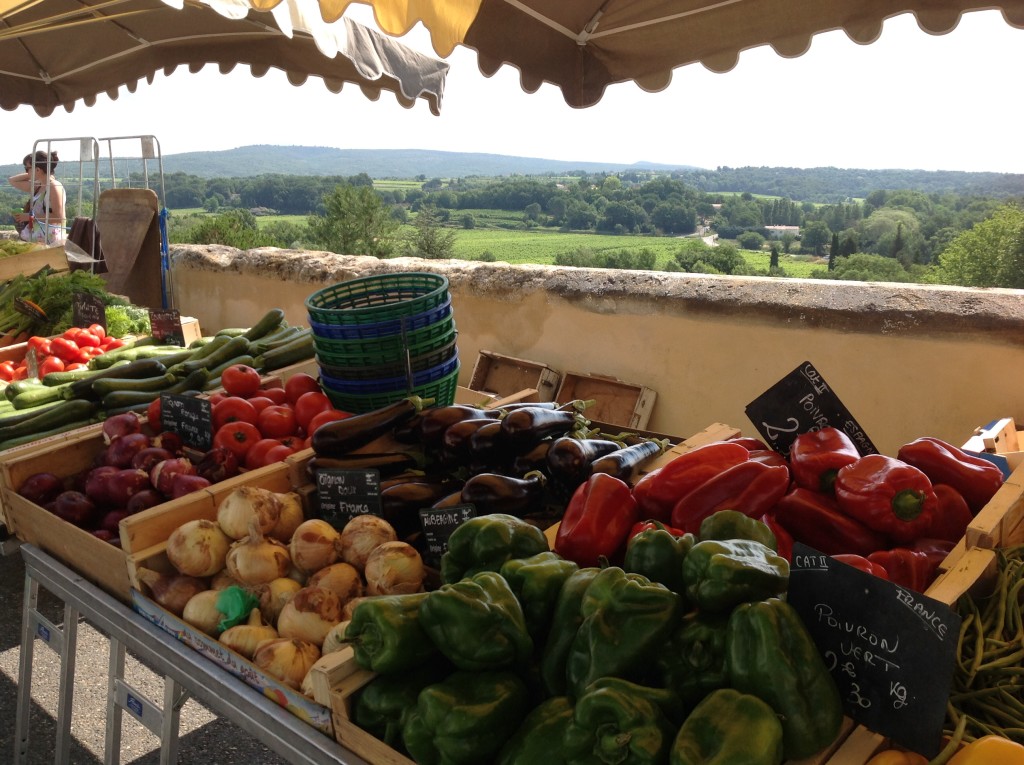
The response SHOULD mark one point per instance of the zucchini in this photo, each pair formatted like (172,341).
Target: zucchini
(299,349)
(107,385)
(59,378)
(219,370)
(16,388)
(125,398)
(275,339)
(235,346)
(133,370)
(199,342)
(63,413)
(230,332)
(44,394)
(107,360)
(10,443)
(14,416)
(210,347)
(141,407)
(270,321)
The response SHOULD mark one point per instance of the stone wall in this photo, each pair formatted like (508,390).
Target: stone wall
(907,360)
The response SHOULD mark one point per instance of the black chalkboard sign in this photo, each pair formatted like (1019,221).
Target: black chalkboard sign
(799,403)
(891,650)
(438,523)
(344,494)
(189,417)
(165,325)
(87,309)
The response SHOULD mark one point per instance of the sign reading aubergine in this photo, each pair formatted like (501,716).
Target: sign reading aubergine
(799,403)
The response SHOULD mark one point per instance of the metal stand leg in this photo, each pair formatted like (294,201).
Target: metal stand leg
(29,602)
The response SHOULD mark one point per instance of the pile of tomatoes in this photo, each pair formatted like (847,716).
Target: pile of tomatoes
(261,426)
(64,353)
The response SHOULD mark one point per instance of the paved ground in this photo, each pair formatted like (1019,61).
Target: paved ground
(204,738)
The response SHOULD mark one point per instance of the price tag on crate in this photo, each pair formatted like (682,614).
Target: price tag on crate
(165,325)
(87,309)
(799,403)
(891,650)
(438,523)
(344,494)
(190,417)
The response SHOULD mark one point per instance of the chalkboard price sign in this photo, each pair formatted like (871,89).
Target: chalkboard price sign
(189,417)
(438,523)
(344,494)
(891,650)
(87,310)
(165,325)
(799,403)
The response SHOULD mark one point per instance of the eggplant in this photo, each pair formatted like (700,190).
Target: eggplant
(497,493)
(388,464)
(338,438)
(535,459)
(400,504)
(488,448)
(569,459)
(434,422)
(454,446)
(525,428)
(450,500)
(622,462)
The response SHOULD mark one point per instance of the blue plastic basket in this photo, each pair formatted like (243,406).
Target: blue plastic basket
(441,392)
(373,299)
(402,383)
(382,328)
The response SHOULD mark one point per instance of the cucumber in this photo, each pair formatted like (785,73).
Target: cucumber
(44,394)
(110,384)
(299,349)
(134,369)
(271,320)
(63,413)
(125,398)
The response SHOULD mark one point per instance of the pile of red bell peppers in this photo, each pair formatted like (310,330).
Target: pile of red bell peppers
(895,517)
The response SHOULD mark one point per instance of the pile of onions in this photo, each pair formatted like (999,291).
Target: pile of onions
(274,595)
(172,591)
(341,578)
(286,659)
(335,640)
(198,548)
(394,568)
(246,638)
(290,518)
(201,612)
(360,536)
(257,559)
(312,545)
(309,615)
(243,505)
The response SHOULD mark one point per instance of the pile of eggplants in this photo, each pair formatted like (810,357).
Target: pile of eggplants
(520,459)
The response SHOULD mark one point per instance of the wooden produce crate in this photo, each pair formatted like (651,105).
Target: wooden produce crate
(503,376)
(621,403)
(31,261)
(1001,522)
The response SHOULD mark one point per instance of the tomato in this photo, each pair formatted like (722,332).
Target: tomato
(278,453)
(7,370)
(237,437)
(85,338)
(233,409)
(41,345)
(20,372)
(260,402)
(277,395)
(309,405)
(300,383)
(99,330)
(254,458)
(74,365)
(87,352)
(65,350)
(153,414)
(240,380)
(215,398)
(328,415)
(110,343)
(50,364)
(295,442)
(277,421)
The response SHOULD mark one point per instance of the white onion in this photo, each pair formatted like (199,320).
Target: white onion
(286,659)
(291,517)
(334,640)
(244,504)
(360,536)
(394,568)
(243,638)
(201,612)
(223,579)
(349,606)
(309,615)
(198,548)
(312,545)
(341,578)
(172,591)
(274,595)
(257,559)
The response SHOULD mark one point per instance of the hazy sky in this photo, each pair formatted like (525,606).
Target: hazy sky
(909,100)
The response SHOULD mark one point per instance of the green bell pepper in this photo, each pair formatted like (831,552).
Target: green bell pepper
(465,719)
(617,724)
(720,574)
(770,654)
(658,555)
(536,582)
(665,699)
(565,623)
(692,662)
(732,524)
(729,728)
(381,706)
(387,635)
(539,738)
(477,623)
(626,618)
(484,543)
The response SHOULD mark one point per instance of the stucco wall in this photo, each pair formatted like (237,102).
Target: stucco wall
(907,361)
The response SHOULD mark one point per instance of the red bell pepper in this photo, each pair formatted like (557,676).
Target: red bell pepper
(975,478)
(865,565)
(816,456)
(952,516)
(887,495)
(936,549)
(750,487)
(907,568)
(768,457)
(750,444)
(816,520)
(597,520)
(658,492)
(783,539)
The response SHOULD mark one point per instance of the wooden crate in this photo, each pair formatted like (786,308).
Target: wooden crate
(614,401)
(29,262)
(503,376)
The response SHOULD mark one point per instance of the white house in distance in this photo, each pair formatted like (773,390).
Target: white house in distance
(777,232)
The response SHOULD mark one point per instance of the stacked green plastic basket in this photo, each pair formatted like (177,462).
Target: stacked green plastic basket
(381,338)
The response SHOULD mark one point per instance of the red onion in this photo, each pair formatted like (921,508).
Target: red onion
(148,457)
(111,519)
(184,483)
(217,464)
(162,474)
(170,441)
(122,450)
(125,483)
(41,488)
(97,483)
(144,500)
(74,507)
(107,536)
(121,425)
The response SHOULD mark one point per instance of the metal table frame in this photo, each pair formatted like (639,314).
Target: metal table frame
(186,673)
